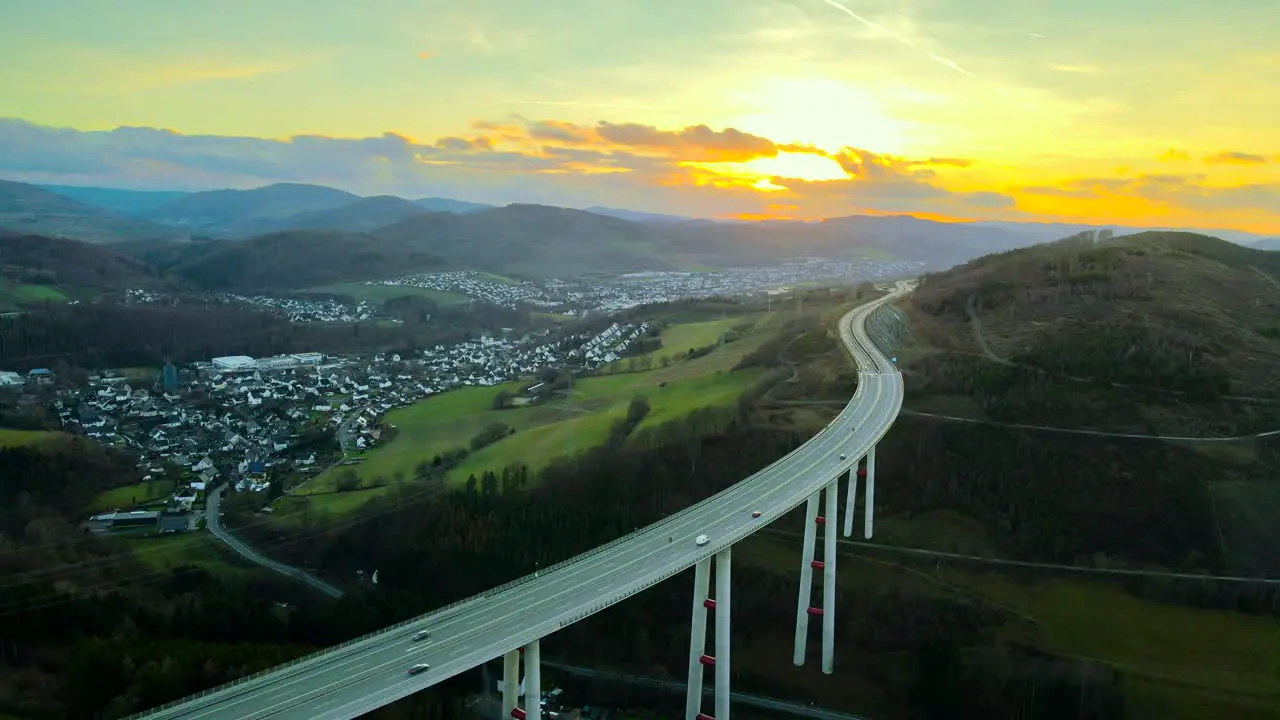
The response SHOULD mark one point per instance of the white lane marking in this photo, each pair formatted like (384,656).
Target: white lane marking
(589,563)
(443,665)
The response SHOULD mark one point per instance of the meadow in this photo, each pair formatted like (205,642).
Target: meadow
(19,438)
(1175,661)
(138,494)
(14,295)
(568,423)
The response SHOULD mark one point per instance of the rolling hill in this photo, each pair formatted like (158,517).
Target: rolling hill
(636,216)
(297,259)
(535,240)
(448,205)
(938,245)
(129,203)
(363,215)
(1162,309)
(58,261)
(36,269)
(1107,356)
(238,213)
(27,209)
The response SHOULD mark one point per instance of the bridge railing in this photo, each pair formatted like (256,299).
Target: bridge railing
(335,651)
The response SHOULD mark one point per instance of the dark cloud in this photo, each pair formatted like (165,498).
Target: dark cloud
(1234,157)
(696,143)
(457,144)
(564,132)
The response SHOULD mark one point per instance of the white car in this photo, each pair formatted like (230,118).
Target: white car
(702,540)
(841,456)
(419,668)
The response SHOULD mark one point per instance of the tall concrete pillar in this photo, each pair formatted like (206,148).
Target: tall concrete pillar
(829,579)
(723,573)
(510,682)
(851,501)
(806,578)
(871,493)
(533,680)
(697,638)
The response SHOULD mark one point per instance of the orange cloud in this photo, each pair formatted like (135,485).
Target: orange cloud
(1188,200)
(696,170)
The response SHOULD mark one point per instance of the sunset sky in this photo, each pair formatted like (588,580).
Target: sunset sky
(1143,112)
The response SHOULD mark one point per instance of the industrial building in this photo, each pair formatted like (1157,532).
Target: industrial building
(232,363)
(136,518)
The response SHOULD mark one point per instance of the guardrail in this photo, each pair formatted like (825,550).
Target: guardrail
(886,327)
(572,616)
(336,652)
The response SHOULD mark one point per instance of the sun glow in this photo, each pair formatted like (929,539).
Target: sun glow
(801,166)
(761,172)
(826,113)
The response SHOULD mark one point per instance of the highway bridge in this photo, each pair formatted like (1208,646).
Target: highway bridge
(361,675)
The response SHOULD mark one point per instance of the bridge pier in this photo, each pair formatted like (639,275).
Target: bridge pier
(829,579)
(806,578)
(702,603)
(827,565)
(723,569)
(533,680)
(871,493)
(851,499)
(510,682)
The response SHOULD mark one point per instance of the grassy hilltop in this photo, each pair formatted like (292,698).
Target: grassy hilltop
(1055,398)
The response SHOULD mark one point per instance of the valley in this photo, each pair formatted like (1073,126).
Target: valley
(389,418)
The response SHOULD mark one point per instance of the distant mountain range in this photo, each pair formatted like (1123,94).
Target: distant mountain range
(298,235)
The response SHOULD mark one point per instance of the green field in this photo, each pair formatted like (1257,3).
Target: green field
(164,552)
(590,411)
(382,293)
(564,426)
(14,294)
(1177,662)
(126,496)
(18,438)
(568,424)
(683,337)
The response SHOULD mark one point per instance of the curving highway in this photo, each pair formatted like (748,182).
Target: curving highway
(365,674)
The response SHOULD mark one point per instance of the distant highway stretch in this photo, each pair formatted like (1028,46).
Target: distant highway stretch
(364,674)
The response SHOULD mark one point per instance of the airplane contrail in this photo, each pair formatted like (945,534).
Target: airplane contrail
(951,64)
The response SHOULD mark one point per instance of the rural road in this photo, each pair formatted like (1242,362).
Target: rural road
(213,521)
(366,673)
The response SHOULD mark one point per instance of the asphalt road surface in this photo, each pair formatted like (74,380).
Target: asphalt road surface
(352,679)
(213,521)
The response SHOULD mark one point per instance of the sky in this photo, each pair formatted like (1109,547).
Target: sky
(1139,112)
